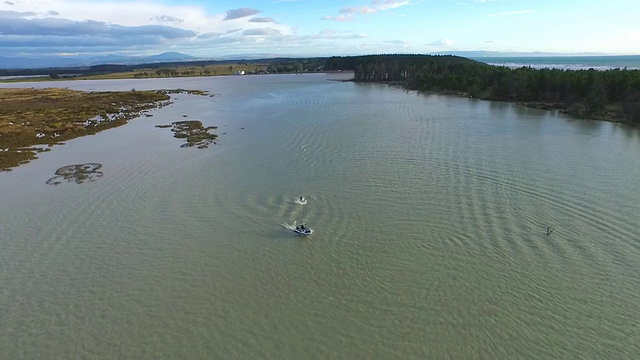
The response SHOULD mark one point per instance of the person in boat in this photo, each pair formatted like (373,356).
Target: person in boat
(301,198)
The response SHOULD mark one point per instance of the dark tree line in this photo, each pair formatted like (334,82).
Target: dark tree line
(612,94)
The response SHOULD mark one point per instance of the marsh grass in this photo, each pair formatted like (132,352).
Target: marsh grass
(194,133)
(31,117)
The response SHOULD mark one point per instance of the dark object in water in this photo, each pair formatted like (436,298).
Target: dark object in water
(549,229)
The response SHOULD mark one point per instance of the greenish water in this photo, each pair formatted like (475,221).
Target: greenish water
(430,216)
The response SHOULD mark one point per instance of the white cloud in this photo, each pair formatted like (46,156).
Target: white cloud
(441,42)
(352,10)
(167,19)
(390,4)
(340,18)
(349,13)
(261,32)
(99,27)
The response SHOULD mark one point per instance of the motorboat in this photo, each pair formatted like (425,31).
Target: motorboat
(301,200)
(304,231)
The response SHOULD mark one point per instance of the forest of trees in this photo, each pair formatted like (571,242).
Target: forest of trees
(612,94)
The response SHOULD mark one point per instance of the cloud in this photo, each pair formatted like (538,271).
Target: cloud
(340,18)
(86,28)
(261,32)
(352,10)
(146,26)
(506,13)
(9,3)
(15,14)
(167,19)
(332,34)
(348,13)
(21,32)
(390,4)
(62,27)
(262,20)
(62,42)
(240,13)
(210,35)
(441,42)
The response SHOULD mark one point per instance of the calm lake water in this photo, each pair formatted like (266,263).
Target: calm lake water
(430,215)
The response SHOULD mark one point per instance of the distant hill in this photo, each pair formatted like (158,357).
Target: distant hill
(8,62)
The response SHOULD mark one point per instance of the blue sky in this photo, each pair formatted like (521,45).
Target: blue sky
(215,29)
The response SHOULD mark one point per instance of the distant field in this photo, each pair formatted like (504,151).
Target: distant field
(180,71)
(164,72)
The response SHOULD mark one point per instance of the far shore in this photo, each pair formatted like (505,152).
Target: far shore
(30,122)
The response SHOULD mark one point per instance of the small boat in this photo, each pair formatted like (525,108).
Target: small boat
(301,200)
(305,231)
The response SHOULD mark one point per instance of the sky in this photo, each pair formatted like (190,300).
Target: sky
(217,29)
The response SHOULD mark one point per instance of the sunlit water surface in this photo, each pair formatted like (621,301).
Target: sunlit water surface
(430,215)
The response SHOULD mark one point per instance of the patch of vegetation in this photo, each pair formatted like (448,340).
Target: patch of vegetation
(32,117)
(193,132)
(187,92)
(78,173)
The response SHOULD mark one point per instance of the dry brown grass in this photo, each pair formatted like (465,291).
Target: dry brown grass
(30,117)
(178,71)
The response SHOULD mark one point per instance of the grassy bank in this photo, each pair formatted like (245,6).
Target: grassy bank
(32,120)
(147,73)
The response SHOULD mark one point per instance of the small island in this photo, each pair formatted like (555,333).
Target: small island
(77,173)
(193,132)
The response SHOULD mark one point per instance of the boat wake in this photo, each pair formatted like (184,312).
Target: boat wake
(291,227)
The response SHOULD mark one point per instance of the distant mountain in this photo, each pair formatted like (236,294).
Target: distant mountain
(168,56)
(7,62)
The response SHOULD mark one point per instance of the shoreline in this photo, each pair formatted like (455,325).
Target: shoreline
(613,111)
